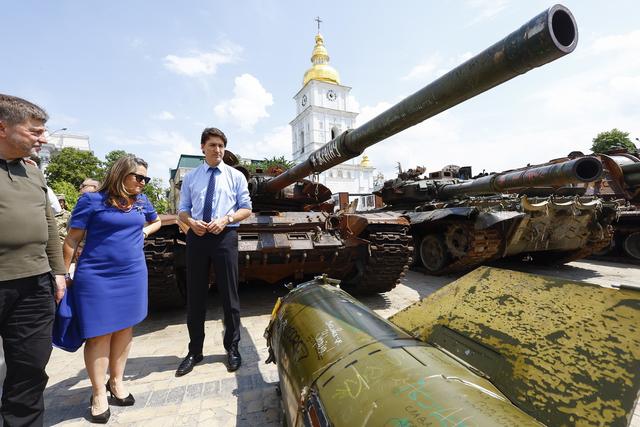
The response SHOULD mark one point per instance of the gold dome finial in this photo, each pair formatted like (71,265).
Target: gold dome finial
(365,163)
(320,70)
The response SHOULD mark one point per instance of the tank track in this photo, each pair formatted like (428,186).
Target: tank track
(389,258)
(484,245)
(164,287)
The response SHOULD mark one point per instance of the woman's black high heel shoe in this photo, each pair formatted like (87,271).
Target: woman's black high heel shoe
(102,418)
(127,401)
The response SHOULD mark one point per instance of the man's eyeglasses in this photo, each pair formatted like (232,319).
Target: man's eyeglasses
(141,178)
(87,185)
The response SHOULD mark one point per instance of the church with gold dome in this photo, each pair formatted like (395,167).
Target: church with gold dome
(323,113)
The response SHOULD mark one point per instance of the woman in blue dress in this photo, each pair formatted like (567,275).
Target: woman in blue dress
(110,280)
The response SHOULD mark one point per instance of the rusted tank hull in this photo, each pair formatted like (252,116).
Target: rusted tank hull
(474,231)
(370,252)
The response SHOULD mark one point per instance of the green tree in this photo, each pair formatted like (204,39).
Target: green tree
(111,158)
(265,164)
(70,192)
(614,138)
(157,195)
(73,166)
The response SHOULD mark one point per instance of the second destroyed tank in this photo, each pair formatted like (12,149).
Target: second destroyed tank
(459,223)
(620,182)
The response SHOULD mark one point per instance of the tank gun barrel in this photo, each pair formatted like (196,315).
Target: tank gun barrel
(631,174)
(548,36)
(584,169)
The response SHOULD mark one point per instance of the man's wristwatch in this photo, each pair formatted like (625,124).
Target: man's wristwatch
(230,218)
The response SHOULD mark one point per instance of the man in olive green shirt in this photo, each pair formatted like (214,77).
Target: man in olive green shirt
(31,266)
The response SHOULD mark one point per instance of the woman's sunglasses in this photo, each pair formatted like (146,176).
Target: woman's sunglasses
(141,178)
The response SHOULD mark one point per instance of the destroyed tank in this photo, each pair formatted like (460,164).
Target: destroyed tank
(288,238)
(459,223)
(620,183)
(292,234)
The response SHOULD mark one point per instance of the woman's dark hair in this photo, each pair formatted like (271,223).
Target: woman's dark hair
(113,183)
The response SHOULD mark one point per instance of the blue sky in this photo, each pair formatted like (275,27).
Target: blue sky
(147,77)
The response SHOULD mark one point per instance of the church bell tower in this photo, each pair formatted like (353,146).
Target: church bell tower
(321,115)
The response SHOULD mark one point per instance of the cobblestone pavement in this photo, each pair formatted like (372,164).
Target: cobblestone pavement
(210,396)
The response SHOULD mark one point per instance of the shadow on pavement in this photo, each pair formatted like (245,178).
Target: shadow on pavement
(256,299)
(425,284)
(258,400)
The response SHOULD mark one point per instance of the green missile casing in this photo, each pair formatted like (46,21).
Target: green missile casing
(341,364)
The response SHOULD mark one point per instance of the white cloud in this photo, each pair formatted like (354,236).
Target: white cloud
(486,9)
(276,142)
(248,105)
(368,112)
(202,63)
(629,42)
(161,149)
(435,66)
(424,69)
(163,115)
(609,86)
(136,43)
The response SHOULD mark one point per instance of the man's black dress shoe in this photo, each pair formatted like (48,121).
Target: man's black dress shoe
(127,401)
(233,358)
(188,363)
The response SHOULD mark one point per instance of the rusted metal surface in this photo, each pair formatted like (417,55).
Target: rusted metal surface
(567,353)
(340,364)
(548,36)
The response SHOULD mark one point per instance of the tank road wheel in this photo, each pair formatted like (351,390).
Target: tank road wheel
(433,253)
(631,245)
(457,239)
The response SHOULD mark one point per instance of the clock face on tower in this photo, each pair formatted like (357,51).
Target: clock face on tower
(304,100)
(331,95)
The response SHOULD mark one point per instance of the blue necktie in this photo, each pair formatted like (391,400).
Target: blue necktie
(208,198)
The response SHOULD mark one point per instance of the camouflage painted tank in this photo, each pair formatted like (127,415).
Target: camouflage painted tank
(458,223)
(620,183)
(370,251)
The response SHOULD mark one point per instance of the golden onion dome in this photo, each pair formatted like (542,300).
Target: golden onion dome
(365,163)
(321,70)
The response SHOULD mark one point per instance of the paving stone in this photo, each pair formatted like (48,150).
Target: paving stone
(194,391)
(158,398)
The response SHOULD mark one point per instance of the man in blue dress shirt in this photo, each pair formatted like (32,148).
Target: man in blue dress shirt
(214,198)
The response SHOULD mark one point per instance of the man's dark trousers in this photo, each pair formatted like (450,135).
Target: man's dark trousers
(221,250)
(26,318)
